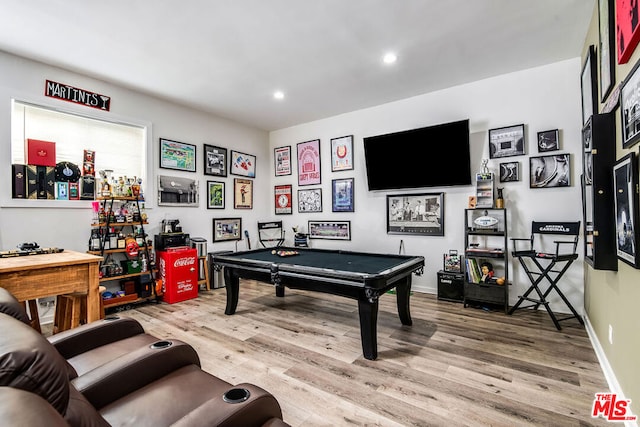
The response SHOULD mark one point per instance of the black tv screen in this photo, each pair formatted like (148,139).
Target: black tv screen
(433,156)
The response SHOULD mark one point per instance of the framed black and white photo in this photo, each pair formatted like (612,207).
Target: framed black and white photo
(630,107)
(342,153)
(282,159)
(587,159)
(226,229)
(310,200)
(550,171)
(331,230)
(625,181)
(177,155)
(342,195)
(243,164)
(588,85)
(416,214)
(509,171)
(177,191)
(548,140)
(215,195)
(606,42)
(215,160)
(506,141)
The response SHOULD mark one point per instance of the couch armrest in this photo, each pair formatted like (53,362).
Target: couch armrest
(134,370)
(79,340)
(260,408)
(22,408)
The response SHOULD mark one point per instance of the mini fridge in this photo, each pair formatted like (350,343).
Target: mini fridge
(178,269)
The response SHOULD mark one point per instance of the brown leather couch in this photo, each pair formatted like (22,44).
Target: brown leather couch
(156,384)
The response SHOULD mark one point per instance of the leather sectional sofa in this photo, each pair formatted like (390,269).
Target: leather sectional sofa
(111,373)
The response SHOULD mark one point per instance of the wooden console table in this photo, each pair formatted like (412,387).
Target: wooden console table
(38,276)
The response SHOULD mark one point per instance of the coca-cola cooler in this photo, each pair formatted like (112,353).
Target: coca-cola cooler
(178,269)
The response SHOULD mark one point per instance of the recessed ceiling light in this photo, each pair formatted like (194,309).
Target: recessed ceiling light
(389,58)
(278,94)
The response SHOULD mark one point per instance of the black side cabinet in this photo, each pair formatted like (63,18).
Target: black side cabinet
(450,286)
(598,204)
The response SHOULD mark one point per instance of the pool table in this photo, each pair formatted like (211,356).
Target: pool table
(358,275)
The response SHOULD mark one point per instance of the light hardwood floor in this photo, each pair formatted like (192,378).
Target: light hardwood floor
(454,366)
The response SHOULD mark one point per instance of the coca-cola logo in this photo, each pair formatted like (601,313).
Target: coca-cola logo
(182,262)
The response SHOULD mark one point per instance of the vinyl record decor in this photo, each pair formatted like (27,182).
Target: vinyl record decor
(67,172)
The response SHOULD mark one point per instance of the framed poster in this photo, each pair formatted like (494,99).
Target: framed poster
(630,107)
(177,191)
(310,200)
(627,32)
(548,140)
(309,162)
(509,171)
(243,164)
(342,195)
(506,141)
(177,155)
(283,202)
(550,171)
(588,86)
(215,195)
(606,45)
(625,181)
(225,229)
(242,193)
(215,160)
(342,153)
(332,230)
(416,214)
(282,158)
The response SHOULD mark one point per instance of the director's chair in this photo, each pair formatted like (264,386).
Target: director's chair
(270,234)
(539,265)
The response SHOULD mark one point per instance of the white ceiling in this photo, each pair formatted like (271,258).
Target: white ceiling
(227,57)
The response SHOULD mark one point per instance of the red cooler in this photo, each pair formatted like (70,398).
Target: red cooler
(178,268)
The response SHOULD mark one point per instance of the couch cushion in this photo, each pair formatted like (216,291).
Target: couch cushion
(11,306)
(29,362)
(80,412)
(22,408)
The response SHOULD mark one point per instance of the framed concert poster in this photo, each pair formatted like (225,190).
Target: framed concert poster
(242,193)
(282,158)
(309,162)
(283,202)
(342,153)
(627,29)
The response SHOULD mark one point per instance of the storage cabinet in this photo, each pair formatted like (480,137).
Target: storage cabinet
(117,234)
(598,204)
(484,190)
(486,242)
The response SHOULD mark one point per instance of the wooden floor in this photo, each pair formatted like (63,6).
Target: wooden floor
(454,367)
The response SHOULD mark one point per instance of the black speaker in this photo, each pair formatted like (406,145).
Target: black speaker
(450,286)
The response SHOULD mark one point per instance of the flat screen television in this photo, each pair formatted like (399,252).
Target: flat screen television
(433,156)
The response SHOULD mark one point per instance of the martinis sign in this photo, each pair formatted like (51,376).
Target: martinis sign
(77,96)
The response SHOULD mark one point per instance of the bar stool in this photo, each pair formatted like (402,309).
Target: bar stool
(33,313)
(71,310)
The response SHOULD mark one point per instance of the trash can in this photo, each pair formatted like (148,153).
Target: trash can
(216,276)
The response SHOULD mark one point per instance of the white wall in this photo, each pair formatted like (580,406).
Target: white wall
(543,98)
(66,223)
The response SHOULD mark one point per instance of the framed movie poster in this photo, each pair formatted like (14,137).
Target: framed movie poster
(243,164)
(510,172)
(283,202)
(550,171)
(606,42)
(310,200)
(506,141)
(342,195)
(225,229)
(215,160)
(627,31)
(282,158)
(342,153)
(177,155)
(332,230)
(416,214)
(630,107)
(588,85)
(548,140)
(215,195)
(625,181)
(242,193)
(309,162)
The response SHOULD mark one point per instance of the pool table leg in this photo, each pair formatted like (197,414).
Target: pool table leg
(403,291)
(232,284)
(368,312)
